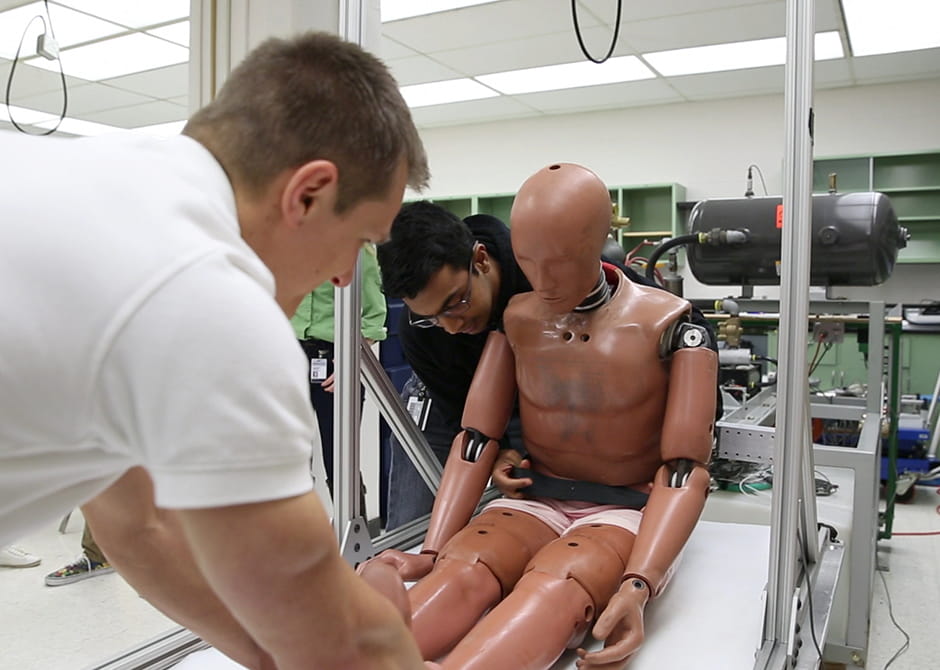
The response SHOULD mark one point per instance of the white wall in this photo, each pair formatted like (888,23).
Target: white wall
(706,146)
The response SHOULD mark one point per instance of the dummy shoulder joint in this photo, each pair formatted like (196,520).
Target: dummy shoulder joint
(686,335)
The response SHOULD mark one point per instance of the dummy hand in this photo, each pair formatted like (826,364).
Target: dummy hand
(620,627)
(502,473)
(411,567)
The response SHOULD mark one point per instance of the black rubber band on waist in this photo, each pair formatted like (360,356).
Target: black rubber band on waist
(544,486)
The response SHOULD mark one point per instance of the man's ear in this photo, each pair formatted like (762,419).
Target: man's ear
(484,258)
(311,187)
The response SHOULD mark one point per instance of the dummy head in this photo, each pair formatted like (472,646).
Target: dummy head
(559,221)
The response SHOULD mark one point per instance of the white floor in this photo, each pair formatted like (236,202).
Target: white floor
(73,627)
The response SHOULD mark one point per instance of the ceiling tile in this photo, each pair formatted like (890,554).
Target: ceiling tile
(29,80)
(833,73)
(627,94)
(474,111)
(550,49)
(480,25)
(420,70)
(164,82)
(758,81)
(158,111)
(897,67)
(86,99)
(390,49)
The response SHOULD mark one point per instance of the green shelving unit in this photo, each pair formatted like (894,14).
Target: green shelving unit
(911,182)
(651,209)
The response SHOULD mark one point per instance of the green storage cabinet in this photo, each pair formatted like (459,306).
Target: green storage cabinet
(911,181)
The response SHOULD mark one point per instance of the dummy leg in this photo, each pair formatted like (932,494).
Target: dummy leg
(475,569)
(564,588)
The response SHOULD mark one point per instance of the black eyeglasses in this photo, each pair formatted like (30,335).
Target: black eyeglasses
(456,309)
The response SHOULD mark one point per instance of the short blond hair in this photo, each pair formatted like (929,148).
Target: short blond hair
(312,97)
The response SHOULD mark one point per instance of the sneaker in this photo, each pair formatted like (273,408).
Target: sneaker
(81,568)
(14,557)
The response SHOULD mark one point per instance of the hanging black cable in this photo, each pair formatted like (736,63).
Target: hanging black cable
(577,32)
(16,58)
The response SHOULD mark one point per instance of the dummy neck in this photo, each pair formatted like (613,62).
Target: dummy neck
(598,296)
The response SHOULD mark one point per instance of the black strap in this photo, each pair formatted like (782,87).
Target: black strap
(544,486)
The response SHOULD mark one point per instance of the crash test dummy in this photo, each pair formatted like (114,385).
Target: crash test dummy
(617,401)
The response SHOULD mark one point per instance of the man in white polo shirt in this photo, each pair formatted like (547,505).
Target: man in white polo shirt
(148,370)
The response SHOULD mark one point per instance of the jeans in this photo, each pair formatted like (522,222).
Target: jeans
(408,496)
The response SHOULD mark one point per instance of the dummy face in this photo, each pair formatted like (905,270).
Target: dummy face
(461,301)
(559,221)
(562,271)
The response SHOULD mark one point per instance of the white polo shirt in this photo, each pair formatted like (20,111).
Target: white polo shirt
(138,328)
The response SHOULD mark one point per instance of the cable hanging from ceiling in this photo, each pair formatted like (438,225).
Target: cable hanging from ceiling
(47,47)
(577,32)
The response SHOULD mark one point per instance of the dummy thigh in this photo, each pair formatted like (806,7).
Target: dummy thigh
(594,555)
(504,540)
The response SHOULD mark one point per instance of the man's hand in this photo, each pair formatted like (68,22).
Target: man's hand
(411,567)
(508,485)
(329,383)
(620,627)
(384,578)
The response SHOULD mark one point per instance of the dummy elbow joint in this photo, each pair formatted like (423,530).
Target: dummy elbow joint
(679,472)
(476,443)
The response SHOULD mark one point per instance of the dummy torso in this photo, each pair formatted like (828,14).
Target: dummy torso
(592,385)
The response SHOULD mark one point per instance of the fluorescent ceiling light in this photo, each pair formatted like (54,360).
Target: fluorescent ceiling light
(441,92)
(175,32)
(567,75)
(79,127)
(737,55)
(132,13)
(25,115)
(392,10)
(160,129)
(880,27)
(135,52)
(68,26)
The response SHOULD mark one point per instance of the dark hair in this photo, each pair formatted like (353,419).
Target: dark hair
(313,97)
(425,237)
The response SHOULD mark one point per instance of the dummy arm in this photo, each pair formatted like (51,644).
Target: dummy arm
(674,505)
(469,465)
(679,488)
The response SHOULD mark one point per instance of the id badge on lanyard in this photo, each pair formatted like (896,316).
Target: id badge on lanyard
(419,407)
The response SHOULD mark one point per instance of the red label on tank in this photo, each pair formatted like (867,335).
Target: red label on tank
(779,216)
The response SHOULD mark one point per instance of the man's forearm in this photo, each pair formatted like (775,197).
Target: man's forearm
(148,549)
(308,607)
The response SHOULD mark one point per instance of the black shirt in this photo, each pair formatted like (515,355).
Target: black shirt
(446,363)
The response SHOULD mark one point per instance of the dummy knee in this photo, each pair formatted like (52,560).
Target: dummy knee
(503,540)
(594,555)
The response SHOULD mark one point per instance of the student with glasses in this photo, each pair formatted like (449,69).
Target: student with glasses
(455,278)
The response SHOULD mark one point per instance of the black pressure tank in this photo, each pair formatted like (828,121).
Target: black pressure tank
(855,240)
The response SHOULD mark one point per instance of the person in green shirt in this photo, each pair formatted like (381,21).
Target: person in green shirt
(313,325)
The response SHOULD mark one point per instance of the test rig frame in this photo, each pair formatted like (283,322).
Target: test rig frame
(803,561)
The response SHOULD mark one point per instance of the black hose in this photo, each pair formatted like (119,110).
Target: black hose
(666,246)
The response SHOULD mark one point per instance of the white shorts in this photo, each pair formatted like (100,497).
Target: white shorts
(563,515)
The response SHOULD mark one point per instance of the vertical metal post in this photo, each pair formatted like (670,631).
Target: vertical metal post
(347,316)
(792,430)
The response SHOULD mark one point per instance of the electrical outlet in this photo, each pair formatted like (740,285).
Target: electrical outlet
(828,331)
